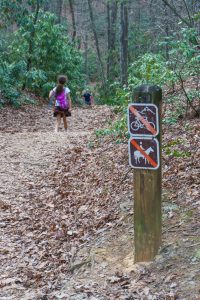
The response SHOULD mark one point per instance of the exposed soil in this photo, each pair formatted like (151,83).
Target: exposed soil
(66,211)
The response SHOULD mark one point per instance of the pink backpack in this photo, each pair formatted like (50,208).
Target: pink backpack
(63,100)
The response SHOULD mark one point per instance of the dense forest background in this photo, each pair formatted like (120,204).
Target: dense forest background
(66,198)
(114,44)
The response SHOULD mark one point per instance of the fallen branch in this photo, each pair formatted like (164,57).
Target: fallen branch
(193,245)
(186,95)
(23,162)
(79,265)
(125,176)
(174,226)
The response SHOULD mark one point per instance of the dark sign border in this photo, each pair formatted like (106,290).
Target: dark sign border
(157,120)
(144,138)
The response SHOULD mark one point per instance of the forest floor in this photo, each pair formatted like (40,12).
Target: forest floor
(66,211)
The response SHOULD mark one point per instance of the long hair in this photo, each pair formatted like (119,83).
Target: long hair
(60,86)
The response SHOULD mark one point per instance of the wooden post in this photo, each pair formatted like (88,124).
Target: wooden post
(147,191)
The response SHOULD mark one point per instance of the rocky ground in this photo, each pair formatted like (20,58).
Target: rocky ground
(66,211)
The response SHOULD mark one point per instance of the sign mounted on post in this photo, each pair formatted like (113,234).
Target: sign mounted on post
(144,126)
(144,153)
(143,119)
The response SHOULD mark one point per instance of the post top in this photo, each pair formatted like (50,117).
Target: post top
(147,93)
(148,88)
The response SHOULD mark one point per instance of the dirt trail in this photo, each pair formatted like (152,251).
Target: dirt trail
(66,210)
(29,147)
(29,150)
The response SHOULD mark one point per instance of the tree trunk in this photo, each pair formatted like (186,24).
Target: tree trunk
(96,41)
(86,55)
(188,13)
(124,43)
(112,20)
(109,29)
(71,4)
(59,10)
(31,41)
(46,6)
(167,31)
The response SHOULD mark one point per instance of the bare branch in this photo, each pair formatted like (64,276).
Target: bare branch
(177,13)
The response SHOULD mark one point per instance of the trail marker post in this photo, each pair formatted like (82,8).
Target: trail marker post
(144,122)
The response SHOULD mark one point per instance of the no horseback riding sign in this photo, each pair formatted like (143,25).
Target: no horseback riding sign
(144,153)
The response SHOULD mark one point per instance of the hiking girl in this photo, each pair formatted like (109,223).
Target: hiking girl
(62,102)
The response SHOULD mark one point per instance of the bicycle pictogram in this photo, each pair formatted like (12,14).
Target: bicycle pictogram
(137,124)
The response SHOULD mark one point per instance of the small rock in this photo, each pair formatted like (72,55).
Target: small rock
(2,225)
(173,285)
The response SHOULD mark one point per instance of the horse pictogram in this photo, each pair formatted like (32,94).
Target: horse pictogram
(138,155)
(144,153)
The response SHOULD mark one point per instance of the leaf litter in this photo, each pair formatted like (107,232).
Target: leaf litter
(66,207)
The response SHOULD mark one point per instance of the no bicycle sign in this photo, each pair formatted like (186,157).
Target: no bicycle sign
(143,119)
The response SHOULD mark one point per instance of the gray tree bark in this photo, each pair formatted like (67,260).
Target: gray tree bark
(31,41)
(112,21)
(71,4)
(124,43)
(96,41)
(59,10)
(86,54)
